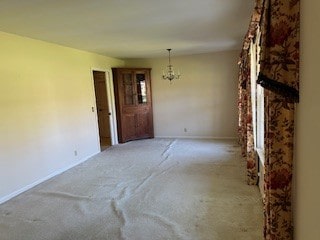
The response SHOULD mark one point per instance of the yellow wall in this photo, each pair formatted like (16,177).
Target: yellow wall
(46,95)
(204,100)
(307,165)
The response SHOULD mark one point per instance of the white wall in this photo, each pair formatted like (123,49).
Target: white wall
(204,100)
(46,95)
(307,166)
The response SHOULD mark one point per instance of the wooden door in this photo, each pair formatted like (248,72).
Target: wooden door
(127,98)
(103,113)
(128,131)
(144,126)
(133,103)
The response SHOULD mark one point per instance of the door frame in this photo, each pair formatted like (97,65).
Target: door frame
(111,105)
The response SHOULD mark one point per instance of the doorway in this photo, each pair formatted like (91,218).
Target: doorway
(103,109)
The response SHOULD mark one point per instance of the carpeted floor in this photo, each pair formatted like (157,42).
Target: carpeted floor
(143,190)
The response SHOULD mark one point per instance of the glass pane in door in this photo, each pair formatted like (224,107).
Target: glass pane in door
(141,88)
(128,89)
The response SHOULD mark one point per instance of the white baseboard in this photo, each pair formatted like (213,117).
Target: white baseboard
(199,137)
(29,186)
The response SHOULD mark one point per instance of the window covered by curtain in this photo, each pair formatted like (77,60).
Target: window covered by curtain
(246,125)
(279,22)
(279,75)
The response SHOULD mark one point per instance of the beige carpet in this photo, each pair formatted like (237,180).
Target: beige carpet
(143,190)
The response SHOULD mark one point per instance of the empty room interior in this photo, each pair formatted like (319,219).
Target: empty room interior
(159,120)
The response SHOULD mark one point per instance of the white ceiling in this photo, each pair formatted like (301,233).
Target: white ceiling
(131,28)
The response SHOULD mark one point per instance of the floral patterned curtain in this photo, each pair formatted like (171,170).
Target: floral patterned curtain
(279,75)
(245,126)
(279,21)
(242,106)
(245,119)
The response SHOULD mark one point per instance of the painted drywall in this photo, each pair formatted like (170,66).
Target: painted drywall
(202,103)
(307,164)
(46,95)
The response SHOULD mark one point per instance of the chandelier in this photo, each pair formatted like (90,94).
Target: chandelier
(170,75)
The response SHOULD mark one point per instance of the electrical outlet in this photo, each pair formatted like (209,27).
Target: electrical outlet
(75,152)
(185,130)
